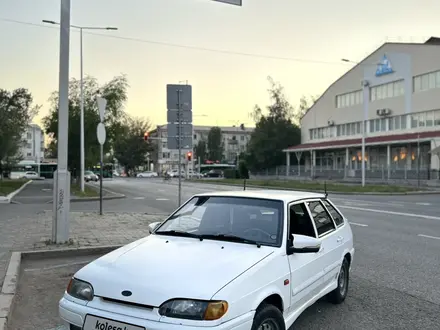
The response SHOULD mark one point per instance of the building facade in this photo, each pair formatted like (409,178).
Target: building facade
(235,140)
(394,95)
(33,147)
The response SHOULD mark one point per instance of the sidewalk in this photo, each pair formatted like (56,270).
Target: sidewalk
(34,231)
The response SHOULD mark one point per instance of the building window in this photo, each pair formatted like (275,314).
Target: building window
(349,99)
(385,91)
(242,138)
(195,136)
(29,154)
(29,136)
(427,81)
(28,145)
(437,118)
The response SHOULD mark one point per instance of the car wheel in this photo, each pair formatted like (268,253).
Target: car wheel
(268,317)
(338,295)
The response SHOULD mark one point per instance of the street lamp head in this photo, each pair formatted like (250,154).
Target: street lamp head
(49,22)
(111,28)
(345,60)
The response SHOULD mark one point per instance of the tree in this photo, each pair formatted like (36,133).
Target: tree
(16,114)
(115,92)
(274,131)
(215,144)
(305,103)
(130,148)
(200,151)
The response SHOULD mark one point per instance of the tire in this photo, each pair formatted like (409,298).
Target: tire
(338,295)
(269,315)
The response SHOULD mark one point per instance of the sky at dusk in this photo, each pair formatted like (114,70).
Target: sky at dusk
(298,43)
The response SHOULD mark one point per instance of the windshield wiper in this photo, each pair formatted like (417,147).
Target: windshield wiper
(230,238)
(179,233)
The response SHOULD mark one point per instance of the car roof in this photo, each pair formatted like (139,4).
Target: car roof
(286,196)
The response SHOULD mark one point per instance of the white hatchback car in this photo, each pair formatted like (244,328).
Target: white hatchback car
(243,260)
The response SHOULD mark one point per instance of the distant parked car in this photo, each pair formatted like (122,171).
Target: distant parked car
(147,174)
(90,176)
(31,175)
(214,174)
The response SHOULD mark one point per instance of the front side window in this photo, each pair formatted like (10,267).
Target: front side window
(322,219)
(255,219)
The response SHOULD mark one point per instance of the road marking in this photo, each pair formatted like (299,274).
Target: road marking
(358,224)
(427,236)
(430,217)
(425,204)
(138,197)
(59,266)
(162,199)
(161,190)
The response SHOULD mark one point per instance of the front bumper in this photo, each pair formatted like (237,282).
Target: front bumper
(75,314)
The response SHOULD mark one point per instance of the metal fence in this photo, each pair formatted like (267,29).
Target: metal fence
(383,174)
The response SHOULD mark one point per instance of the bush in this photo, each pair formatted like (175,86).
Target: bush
(230,174)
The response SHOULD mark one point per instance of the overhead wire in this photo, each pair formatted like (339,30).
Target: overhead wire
(175,45)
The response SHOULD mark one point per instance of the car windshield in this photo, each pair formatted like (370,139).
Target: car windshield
(252,219)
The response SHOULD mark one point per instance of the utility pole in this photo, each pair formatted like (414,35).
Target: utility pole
(180,140)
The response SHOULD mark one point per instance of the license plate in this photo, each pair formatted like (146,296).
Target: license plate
(100,323)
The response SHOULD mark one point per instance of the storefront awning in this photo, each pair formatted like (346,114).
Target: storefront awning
(370,140)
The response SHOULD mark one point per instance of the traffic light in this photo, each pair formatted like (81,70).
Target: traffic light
(146,135)
(189,155)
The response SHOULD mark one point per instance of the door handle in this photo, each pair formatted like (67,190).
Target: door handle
(340,238)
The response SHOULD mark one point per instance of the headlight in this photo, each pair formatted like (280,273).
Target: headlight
(194,309)
(80,289)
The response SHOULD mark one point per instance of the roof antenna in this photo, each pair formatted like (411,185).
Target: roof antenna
(325,189)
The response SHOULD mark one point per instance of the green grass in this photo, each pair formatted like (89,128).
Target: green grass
(7,186)
(315,186)
(75,190)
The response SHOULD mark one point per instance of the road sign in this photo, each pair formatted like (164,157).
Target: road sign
(101,133)
(173,130)
(173,142)
(231,2)
(173,116)
(102,104)
(185,97)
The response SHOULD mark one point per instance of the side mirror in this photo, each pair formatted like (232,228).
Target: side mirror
(303,244)
(152,226)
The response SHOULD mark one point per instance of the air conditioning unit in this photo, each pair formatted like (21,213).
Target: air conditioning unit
(331,123)
(387,112)
(379,112)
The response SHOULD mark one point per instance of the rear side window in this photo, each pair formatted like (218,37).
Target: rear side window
(339,220)
(322,219)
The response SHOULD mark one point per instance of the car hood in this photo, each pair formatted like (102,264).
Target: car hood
(158,268)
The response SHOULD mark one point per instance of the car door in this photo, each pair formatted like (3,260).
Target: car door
(306,272)
(330,255)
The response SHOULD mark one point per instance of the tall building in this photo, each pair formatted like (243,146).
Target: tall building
(396,91)
(235,140)
(33,147)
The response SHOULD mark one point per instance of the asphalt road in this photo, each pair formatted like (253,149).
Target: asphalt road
(395,279)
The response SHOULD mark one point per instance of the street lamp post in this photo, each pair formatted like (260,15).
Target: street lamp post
(82,147)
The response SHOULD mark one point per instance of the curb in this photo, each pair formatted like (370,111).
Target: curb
(10,283)
(422,192)
(7,199)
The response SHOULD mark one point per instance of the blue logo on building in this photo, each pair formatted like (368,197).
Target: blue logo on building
(384,67)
